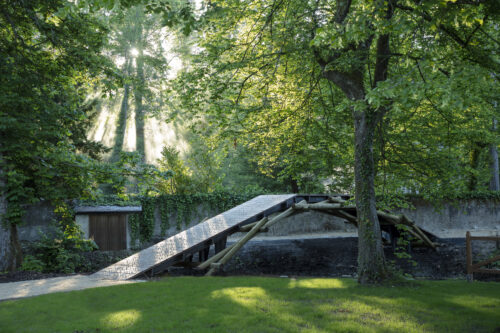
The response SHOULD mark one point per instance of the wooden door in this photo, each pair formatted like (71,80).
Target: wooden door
(109,231)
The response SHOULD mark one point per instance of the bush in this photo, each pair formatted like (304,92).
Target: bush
(30,263)
(60,253)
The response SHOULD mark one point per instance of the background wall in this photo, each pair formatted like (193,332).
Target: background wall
(450,220)
(38,218)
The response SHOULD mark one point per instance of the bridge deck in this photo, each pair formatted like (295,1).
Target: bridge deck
(188,240)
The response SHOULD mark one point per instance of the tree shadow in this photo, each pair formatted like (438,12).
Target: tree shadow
(250,304)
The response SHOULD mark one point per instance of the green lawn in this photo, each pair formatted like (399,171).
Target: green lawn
(253,304)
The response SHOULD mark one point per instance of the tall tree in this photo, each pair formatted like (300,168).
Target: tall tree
(136,39)
(384,59)
(48,58)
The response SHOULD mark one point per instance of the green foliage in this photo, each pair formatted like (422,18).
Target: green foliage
(131,174)
(199,171)
(47,66)
(183,207)
(134,223)
(403,243)
(181,180)
(31,263)
(496,264)
(109,200)
(59,253)
(390,201)
(258,81)
(243,174)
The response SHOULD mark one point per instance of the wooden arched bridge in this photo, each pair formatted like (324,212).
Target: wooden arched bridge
(251,217)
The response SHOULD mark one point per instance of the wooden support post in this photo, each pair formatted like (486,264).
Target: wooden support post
(237,246)
(323,206)
(468,250)
(213,259)
(214,268)
(220,244)
(203,254)
(336,200)
(281,216)
(418,231)
(350,218)
(393,234)
(403,219)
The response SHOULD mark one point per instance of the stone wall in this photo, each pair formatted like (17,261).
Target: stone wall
(304,223)
(337,257)
(451,220)
(39,218)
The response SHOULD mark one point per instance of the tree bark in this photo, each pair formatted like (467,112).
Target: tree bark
(5,254)
(10,250)
(138,95)
(122,125)
(4,247)
(371,259)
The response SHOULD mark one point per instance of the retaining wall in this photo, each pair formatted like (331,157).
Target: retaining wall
(451,220)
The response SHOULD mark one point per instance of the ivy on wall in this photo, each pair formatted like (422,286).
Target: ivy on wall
(183,207)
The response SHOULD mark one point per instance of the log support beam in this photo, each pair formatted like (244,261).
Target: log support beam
(334,206)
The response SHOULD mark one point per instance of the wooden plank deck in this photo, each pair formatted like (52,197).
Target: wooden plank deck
(176,245)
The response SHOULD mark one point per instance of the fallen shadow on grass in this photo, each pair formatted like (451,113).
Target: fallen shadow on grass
(249,304)
(329,305)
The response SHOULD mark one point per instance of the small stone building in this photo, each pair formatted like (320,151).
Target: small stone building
(106,225)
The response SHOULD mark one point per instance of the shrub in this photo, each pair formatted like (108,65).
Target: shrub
(60,253)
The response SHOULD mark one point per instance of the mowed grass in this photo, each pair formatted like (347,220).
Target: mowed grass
(255,304)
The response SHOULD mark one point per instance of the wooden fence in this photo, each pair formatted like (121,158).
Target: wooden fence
(477,267)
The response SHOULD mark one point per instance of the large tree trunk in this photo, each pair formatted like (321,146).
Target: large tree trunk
(122,117)
(122,125)
(5,255)
(371,260)
(139,89)
(139,109)
(16,252)
(10,250)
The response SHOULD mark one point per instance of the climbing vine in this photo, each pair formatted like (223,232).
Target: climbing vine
(165,206)
(183,208)
(147,220)
(142,224)
(134,225)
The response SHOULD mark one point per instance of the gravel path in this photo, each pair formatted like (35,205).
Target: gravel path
(13,290)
